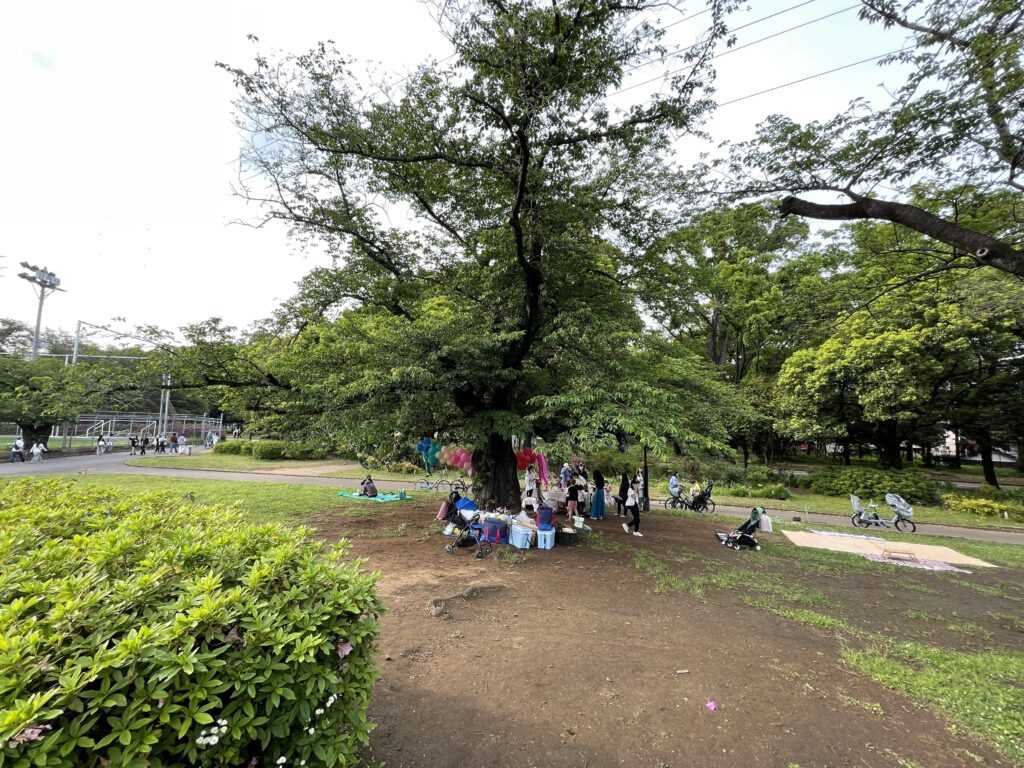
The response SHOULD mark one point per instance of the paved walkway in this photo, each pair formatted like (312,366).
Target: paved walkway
(91,464)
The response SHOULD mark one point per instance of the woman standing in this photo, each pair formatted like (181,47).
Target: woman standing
(620,500)
(641,490)
(633,505)
(597,499)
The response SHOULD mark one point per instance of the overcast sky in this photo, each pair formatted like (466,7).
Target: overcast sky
(118,149)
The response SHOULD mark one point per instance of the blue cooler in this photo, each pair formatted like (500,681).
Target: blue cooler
(546,539)
(521,536)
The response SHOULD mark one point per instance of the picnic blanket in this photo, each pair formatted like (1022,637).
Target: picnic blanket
(378,497)
(889,549)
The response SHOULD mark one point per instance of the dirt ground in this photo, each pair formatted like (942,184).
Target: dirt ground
(608,653)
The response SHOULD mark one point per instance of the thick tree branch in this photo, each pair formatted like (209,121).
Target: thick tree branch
(985,250)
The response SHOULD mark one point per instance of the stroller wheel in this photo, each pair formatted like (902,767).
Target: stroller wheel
(757,547)
(448,548)
(489,549)
(479,555)
(736,547)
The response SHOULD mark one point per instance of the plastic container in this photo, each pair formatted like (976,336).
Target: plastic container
(564,537)
(546,539)
(522,537)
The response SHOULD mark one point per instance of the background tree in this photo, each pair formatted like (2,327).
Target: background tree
(530,195)
(958,120)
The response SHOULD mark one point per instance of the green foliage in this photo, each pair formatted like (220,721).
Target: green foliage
(270,450)
(873,484)
(245,447)
(770,491)
(957,502)
(151,631)
(230,447)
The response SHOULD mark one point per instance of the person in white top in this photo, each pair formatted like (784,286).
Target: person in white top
(18,450)
(633,507)
(38,450)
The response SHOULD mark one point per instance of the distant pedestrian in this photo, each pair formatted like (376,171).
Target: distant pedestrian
(633,507)
(101,445)
(18,449)
(144,443)
(174,442)
(110,444)
(38,450)
(620,500)
(133,442)
(182,443)
(597,498)
(565,476)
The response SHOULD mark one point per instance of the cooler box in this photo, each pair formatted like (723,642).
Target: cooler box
(565,536)
(521,537)
(546,539)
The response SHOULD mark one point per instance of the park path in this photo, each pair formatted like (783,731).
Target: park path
(91,464)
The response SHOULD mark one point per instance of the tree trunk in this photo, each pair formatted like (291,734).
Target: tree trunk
(846,452)
(494,473)
(746,454)
(988,468)
(889,454)
(910,452)
(957,448)
(928,458)
(1020,455)
(32,432)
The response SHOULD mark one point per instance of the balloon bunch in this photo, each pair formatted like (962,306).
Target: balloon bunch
(455,457)
(525,457)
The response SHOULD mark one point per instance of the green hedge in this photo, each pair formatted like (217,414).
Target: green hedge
(144,630)
(769,491)
(245,447)
(276,450)
(983,507)
(230,447)
(872,484)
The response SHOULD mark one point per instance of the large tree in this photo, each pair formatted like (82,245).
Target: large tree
(958,120)
(529,194)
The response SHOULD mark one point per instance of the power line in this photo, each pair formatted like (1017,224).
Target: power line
(812,77)
(738,48)
(681,48)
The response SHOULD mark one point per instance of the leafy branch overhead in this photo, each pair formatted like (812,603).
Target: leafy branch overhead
(957,120)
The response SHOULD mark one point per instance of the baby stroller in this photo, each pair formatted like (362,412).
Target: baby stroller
(463,517)
(744,535)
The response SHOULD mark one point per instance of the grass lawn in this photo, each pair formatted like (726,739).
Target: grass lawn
(265,502)
(224,462)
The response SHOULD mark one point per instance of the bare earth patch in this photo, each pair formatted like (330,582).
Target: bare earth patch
(608,653)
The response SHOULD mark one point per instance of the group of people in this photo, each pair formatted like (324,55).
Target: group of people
(579,490)
(161,444)
(18,450)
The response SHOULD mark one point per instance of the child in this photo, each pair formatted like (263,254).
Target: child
(367,488)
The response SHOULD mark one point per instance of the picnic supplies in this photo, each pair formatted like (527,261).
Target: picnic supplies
(378,497)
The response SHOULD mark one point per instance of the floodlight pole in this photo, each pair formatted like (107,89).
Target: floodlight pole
(48,283)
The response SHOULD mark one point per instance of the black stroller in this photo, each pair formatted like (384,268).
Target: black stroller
(463,518)
(744,535)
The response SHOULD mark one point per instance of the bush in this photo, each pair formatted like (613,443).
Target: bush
(873,484)
(956,502)
(406,467)
(769,491)
(230,447)
(145,630)
(245,447)
(269,450)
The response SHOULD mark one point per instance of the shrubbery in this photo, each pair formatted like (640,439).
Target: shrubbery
(230,447)
(984,507)
(270,450)
(872,484)
(148,631)
(769,491)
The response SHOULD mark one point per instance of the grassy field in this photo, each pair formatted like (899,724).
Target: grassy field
(223,462)
(266,502)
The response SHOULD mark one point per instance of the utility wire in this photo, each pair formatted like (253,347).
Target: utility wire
(737,48)
(812,77)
